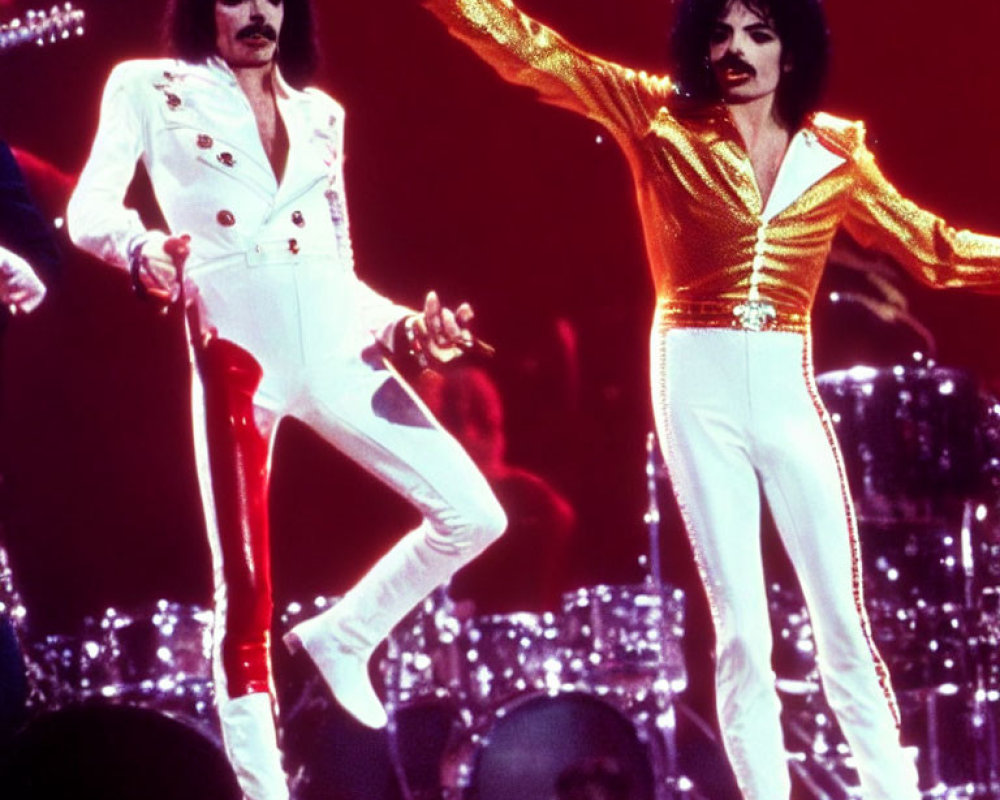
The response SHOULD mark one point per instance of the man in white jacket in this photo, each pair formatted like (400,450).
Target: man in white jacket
(248,172)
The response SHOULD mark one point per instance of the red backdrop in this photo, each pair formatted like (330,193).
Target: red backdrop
(456,181)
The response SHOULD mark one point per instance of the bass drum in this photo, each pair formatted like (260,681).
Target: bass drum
(538,743)
(115,752)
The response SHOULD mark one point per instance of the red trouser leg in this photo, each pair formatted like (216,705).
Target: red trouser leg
(238,457)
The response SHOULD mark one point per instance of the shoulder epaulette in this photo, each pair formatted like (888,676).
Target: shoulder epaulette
(841,136)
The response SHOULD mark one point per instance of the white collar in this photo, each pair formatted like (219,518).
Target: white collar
(805,163)
(219,66)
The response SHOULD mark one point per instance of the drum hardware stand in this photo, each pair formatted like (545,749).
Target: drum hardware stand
(654,576)
(818,761)
(982,720)
(13,606)
(664,727)
(798,764)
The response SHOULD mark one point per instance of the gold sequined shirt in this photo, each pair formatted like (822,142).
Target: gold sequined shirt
(719,255)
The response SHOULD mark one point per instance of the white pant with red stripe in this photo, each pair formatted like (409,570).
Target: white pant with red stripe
(288,341)
(736,412)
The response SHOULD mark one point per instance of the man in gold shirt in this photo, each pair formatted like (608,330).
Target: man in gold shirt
(741,186)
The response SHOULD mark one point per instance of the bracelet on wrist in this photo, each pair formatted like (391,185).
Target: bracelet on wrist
(134,267)
(414,346)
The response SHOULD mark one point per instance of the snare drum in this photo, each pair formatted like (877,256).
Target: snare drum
(624,637)
(158,656)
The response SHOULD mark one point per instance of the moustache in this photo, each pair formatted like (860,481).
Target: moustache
(258,29)
(735,63)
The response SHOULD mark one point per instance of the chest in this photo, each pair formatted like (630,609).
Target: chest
(214,162)
(204,137)
(700,172)
(272,132)
(765,161)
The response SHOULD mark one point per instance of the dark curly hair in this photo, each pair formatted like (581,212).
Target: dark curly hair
(805,40)
(189,35)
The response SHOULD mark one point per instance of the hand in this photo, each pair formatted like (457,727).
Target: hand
(158,265)
(21,290)
(443,334)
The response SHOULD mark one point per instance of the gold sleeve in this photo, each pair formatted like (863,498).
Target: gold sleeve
(525,52)
(925,245)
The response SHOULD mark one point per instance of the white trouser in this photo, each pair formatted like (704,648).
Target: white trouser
(321,366)
(737,411)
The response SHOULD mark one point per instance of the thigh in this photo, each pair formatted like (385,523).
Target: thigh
(701,424)
(368,412)
(807,491)
(254,307)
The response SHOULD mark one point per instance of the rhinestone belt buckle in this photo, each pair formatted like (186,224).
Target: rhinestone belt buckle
(755,315)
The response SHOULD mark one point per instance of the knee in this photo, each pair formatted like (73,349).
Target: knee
(744,659)
(843,641)
(851,655)
(484,524)
(491,522)
(472,528)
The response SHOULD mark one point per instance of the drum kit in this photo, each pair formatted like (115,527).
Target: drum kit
(527,698)
(920,446)
(108,709)
(516,703)
(510,695)
(501,706)
(602,675)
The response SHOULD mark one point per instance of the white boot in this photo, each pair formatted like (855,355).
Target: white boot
(341,640)
(252,747)
(344,668)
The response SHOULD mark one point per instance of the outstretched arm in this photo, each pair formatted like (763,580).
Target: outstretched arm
(528,53)
(924,244)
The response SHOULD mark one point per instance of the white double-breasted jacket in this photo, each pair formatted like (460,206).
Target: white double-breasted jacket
(192,127)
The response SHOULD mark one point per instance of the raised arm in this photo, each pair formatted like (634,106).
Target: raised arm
(923,243)
(528,53)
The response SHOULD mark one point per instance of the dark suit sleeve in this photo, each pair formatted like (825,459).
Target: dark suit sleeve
(23,229)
